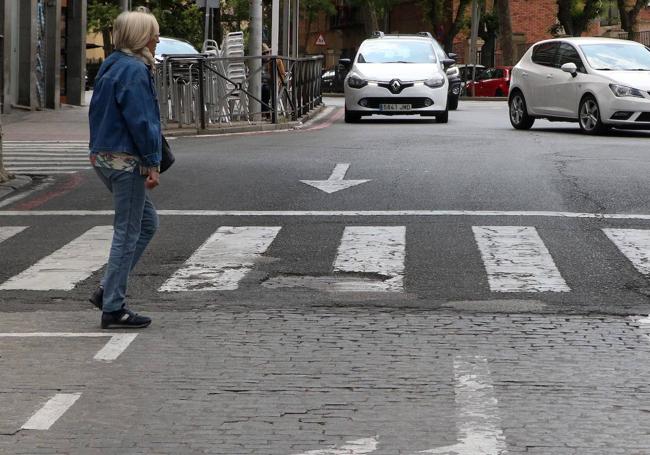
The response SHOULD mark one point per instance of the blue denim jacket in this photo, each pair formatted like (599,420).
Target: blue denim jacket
(124,115)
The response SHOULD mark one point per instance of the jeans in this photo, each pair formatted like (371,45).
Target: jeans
(134,225)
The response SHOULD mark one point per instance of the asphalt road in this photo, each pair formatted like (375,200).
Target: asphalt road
(477,290)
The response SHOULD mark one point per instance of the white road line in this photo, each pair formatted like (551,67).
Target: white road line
(52,167)
(380,213)
(7,232)
(634,244)
(375,250)
(45,159)
(357,447)
(22,195)
(478,414)
(116,345)
(223,260)
(64,268)
(51,411)
(516,260)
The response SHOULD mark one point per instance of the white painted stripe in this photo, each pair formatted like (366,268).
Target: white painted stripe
(374,250)
(51,411)
(23,194)
(46,142)
(64,268)
(46,168)
(115,346)
(357,447)
(478,413)
(516,260)
(382,213)
(7,232)
(46,159)
(223,260)
(634,244)
(40,171)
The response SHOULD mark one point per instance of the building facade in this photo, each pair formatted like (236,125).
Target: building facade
(531,21)
(43,53)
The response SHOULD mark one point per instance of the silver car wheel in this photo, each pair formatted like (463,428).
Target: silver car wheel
(589,115)
(517,109)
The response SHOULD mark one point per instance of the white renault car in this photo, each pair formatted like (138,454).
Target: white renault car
(598,82)
(397,75)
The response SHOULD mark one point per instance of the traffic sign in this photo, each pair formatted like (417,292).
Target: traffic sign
(320,41)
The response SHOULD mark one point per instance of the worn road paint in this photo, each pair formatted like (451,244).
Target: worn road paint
(634,244)
(378,250)
(66,267)
(68,185)
(223,260)
(51,411)
(115,346)
(357,447)
(479,429)
(335,181)
(516,260)
(7,232)
(271,213)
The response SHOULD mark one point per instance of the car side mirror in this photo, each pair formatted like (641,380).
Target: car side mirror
(452,56)
(571,68)
(447,62)
(346,62)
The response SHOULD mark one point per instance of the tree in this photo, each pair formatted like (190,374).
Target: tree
(574,15)
(505,31)
(101,14)
(310,10)
(177,18)
(629,13)
(445,23)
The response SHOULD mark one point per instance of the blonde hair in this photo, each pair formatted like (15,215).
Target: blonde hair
(132,31)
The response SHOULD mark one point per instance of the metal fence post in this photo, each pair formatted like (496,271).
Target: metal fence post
(201,104)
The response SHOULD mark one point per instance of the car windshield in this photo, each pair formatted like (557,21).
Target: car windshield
(617,57)
(170,46)
(402,51)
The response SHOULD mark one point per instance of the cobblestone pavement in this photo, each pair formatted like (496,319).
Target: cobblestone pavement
(331,381)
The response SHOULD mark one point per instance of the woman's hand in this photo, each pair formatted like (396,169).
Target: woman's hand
(153,180)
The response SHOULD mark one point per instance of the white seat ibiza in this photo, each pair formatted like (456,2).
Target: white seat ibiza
(598,82)
(397,75)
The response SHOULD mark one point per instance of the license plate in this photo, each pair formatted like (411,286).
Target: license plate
(395,107)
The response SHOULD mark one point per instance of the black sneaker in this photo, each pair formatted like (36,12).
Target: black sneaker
(124,319)
(97,298)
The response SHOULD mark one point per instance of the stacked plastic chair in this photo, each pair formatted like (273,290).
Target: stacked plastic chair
(236,72)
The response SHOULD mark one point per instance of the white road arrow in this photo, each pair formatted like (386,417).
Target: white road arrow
(335,181)
(358,447)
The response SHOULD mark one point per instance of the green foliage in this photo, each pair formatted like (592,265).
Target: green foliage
(101,14)
(311,8)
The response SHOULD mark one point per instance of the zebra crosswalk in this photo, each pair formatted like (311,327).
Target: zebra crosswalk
(45,157)
(515,259)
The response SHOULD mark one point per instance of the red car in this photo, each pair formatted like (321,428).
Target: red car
(491,82)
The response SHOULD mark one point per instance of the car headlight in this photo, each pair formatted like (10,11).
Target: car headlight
(623,90)
(355,81)
(434,82)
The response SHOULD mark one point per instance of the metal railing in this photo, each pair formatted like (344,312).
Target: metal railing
(639,37)
(205,90)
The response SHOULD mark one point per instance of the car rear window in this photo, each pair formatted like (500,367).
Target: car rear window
(396,51)
(544,54)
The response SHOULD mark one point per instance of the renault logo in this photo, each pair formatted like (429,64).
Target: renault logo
(395,86)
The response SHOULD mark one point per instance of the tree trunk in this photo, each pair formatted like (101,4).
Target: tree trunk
(108,42)
(575,23)
(505,31)
(4,175)
(629,12)
(370,20)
